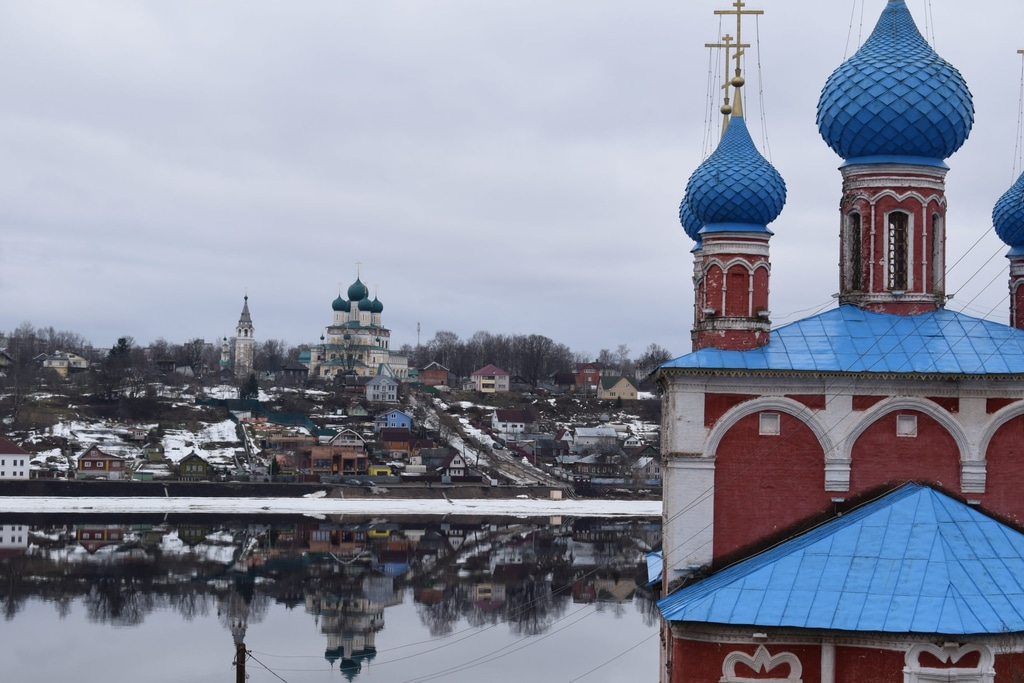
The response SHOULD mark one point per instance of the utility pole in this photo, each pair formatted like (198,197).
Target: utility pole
(238,634)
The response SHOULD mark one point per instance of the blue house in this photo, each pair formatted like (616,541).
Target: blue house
(392,418)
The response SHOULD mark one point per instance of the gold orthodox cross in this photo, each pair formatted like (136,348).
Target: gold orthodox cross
(728,45)
(737,80)
(739,12)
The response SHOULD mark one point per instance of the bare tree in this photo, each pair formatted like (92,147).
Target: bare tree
(650,359)
(270,355)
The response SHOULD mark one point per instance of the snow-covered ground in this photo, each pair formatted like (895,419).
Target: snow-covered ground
(334,506)
(178,443)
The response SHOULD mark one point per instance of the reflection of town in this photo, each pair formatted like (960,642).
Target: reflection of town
(345,575)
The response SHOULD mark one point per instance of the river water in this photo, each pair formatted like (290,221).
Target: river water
(409,599)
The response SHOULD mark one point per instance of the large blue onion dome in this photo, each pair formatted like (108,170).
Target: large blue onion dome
(895,98)
(735,189)
(357,290)
(691,224)
(378,307)
(1008,217)
(340,304)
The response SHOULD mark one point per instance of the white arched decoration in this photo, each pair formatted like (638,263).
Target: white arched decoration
(968,459)
(761,662)
(951,653)
(999,419)
(769,403)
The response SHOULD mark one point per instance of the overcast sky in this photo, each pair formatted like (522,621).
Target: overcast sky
(514,167)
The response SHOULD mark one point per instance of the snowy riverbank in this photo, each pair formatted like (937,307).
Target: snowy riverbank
(513,507)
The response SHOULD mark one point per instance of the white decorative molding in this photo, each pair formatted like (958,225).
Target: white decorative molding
(761,662)
(999,419)
(731,248)
(922,405)
(950,653)
(973,476)
(770,403)
(837,474)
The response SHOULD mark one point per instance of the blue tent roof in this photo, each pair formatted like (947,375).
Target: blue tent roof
(912,561)
(849,339)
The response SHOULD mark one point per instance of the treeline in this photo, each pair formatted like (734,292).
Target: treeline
(533,357)
(127,368)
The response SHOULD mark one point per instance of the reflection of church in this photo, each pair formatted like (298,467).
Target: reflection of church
(832,486)
(356,341)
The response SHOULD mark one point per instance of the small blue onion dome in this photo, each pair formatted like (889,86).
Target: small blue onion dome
(365,305)
(735,188)
(895,97)
(691,224)
(378,307)
(357,290)
(1008,217)
(340,304)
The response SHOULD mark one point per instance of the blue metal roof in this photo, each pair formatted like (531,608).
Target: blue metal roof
(849,339)
(655,566)
(895,97)
(912,561)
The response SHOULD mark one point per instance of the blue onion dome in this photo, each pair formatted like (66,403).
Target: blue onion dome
(895,98)
(340,304)
(378,307)
(365,305)
(691,224)
(1008,217)
(357,291)
(735,189)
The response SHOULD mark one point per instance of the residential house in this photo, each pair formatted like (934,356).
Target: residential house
(344,454)
(65,363)
(490,379)
(435,375)
(357,410)
(454,466)
(14,460)
(510,424)
(193,467)
(5,361)
(612,388)
(153,451)
(599,466)
(92,537)
(588,376)
(137,433)
(564,378)
(647,470)
(394,419)
(396,441)
(294,372)
(589,439)
(95,464)
(382,389)
(632,442)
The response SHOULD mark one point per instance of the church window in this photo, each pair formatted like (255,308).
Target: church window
(770,425)
(906,425)
(854,251)
(938,262)
(899,250)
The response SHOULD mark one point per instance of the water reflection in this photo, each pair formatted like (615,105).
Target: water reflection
(344,575)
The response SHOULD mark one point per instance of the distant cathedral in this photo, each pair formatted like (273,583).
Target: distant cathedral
(356,342)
